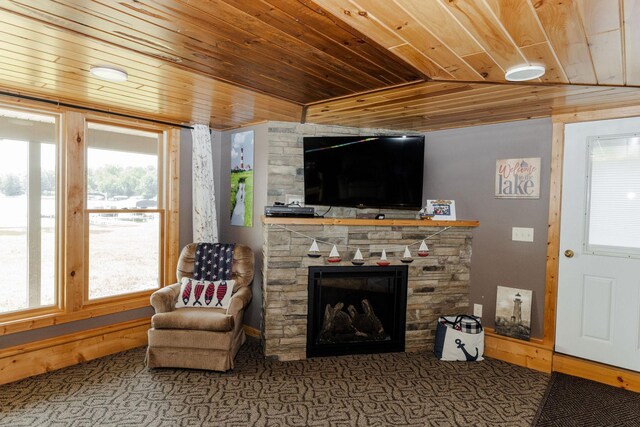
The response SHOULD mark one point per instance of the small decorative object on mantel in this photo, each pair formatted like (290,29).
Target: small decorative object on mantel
(383,261)
(423,250)
(314,251)
(442,210)
(513,312)
(334,256)
(406,258)
(357,258)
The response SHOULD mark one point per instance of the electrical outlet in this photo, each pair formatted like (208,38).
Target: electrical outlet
(293,198)
(477,310)
(521,234)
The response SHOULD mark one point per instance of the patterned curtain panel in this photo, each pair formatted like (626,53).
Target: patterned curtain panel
(205,223)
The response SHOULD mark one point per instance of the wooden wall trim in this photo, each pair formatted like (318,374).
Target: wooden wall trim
(530,354)
(553,236)
(599,372)
(35,358)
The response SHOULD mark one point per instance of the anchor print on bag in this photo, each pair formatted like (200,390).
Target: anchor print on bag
(469,357)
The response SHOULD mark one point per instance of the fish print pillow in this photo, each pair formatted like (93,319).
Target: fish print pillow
(205,294)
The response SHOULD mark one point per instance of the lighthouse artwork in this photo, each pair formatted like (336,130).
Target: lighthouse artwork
(513,312)
(242,179)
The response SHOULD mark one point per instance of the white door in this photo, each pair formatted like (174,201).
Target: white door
(598,312)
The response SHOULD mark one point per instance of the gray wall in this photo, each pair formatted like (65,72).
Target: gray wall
(460,165)
(186,232)
(251,236)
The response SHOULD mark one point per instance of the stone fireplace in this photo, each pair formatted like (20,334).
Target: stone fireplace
(356,309)
(437,284)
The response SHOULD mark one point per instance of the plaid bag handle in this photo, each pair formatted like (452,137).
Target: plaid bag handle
(458,321)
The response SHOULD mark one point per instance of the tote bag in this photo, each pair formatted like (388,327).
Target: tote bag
(459,338)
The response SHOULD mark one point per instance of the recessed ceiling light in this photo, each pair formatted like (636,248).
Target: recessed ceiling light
(526,72)
(109,73)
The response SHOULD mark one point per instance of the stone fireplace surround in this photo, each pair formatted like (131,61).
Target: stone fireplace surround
(437,285)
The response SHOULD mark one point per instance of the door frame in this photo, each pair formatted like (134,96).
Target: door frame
(562,363)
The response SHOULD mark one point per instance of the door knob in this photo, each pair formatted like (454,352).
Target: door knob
(568,253)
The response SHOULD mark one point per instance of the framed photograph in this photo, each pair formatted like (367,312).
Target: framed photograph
(518,178)
(242,179)
(442,210)
(513,312)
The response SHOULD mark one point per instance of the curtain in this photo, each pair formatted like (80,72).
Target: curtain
(205,223)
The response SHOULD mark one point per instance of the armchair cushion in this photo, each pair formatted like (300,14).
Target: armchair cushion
(214,320)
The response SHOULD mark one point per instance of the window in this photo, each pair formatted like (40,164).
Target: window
(614,195)
(125,210)
(88,214)
(28,211)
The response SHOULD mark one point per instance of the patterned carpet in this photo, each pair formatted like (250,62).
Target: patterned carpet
(576,402)
(361,390)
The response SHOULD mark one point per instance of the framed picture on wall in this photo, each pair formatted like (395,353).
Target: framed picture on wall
(242,179)
(518,178)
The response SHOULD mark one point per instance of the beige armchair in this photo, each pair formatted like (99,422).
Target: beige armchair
(200,338)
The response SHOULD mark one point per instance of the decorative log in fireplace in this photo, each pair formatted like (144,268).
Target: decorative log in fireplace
(356,310)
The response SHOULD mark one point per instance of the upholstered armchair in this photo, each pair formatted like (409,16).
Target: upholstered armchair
(194,337)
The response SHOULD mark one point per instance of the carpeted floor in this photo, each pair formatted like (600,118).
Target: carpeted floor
(576,402)
(361,390)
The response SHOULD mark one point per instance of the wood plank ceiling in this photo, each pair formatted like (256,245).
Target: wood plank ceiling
(412,64)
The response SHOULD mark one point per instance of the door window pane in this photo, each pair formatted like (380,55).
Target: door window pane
(122,175)
(27,210)
(614,198)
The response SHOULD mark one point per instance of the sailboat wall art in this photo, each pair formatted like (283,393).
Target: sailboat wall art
(406,257)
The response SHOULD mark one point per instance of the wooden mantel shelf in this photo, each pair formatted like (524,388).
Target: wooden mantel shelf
(369,222)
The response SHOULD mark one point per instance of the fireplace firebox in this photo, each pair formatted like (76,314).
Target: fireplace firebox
(356,310)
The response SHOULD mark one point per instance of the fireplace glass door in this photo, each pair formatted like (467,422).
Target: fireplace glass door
(356,310)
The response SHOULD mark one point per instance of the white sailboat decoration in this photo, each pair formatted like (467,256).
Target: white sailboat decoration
(383,261)
(314,251)
(334,256)
(357,258)
(406,257)
(423,250)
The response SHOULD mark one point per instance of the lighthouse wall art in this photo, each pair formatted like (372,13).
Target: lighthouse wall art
(513,312)
(241,206)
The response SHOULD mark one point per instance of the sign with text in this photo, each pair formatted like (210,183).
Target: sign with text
(518,178)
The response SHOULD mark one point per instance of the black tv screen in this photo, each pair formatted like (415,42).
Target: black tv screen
(364,171)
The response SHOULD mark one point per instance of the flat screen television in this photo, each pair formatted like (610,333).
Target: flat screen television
(364,171)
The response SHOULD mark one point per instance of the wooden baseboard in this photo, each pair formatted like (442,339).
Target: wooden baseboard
(530,354)
(595,371)
(43,356)
(252,332)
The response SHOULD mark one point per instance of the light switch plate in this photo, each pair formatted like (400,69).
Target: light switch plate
(522,234)
(477,310)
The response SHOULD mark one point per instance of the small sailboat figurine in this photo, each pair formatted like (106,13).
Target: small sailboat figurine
(406,258)
(314,251)
(383,262)
(423,250)
(334,256)
(357,258)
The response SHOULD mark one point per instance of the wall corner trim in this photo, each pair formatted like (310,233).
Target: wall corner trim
(530,354)
(36,358)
